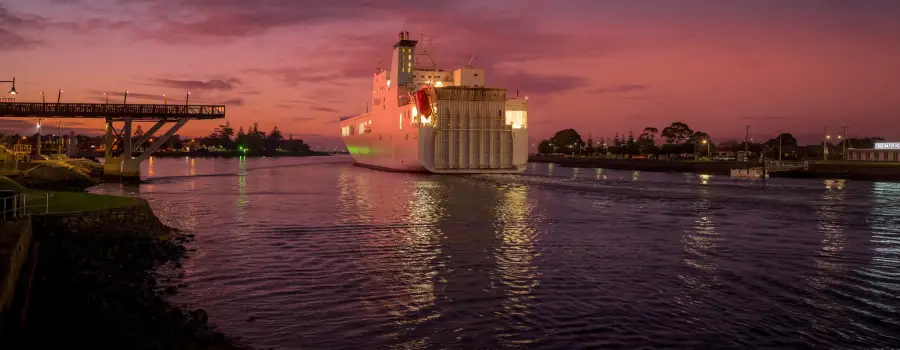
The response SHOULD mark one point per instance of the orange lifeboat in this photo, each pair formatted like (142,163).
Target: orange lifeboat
(423,104)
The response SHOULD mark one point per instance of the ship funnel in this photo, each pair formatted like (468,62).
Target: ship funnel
(407,35)
(400,36)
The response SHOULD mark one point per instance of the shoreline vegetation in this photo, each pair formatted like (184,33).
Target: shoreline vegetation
(104,266)
(868,171)
(221,154)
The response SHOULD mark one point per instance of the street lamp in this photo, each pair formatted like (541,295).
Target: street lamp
(164,100)
(106,96)
(125,99)
(707,147)
(39,137)
(59,96)
(186,98)
(12,91)
(43,100)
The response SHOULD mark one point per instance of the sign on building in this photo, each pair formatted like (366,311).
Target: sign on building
(887,145)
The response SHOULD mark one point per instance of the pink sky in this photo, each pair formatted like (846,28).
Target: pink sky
(597,66)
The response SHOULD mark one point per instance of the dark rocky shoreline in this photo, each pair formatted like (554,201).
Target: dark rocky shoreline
(103,284)
(109,294)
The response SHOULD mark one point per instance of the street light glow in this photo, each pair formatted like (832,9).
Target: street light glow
(12,91)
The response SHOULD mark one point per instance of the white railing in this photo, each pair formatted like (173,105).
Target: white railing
(775,165)
(19,205)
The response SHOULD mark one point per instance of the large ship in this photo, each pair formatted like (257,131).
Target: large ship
(426,119)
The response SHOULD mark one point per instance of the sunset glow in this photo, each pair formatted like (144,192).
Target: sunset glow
(597,66)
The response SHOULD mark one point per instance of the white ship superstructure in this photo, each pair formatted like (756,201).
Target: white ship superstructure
(428,119)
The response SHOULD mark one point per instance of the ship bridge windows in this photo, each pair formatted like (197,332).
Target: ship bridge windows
(346,130)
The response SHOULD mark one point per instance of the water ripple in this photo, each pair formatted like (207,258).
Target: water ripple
(315,253)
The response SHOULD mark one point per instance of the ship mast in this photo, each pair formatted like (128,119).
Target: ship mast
(426,51)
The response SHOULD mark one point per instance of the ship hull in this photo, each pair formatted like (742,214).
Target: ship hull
(395,150)
(413,150)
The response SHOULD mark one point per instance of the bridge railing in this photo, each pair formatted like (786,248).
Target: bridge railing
(88,110)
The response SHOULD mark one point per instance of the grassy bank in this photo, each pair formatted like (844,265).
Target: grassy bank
(38,201)
(870,171)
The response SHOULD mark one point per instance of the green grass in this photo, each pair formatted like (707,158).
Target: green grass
(61,202)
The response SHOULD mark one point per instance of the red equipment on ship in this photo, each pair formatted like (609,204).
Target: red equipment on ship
(422,103)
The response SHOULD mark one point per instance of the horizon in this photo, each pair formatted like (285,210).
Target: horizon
(793,67)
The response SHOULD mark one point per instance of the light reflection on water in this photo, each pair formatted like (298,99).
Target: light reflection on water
(325,255)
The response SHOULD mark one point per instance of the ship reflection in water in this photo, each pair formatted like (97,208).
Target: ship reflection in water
(316,253)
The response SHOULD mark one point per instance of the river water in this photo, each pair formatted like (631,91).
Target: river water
(303,253)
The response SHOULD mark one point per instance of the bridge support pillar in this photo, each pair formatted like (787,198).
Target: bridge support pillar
(112,170)
(112,167)
(131,170)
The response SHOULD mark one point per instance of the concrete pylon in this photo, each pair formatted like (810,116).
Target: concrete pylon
(131,171)
(125,166)
(112,166)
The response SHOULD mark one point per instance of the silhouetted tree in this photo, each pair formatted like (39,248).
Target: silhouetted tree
(567,141)
(273,140)
(590,146)
(545,147)
(241,139)
(676,133)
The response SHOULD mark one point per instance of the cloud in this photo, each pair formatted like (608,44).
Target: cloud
(764,118)
(301,119)
(324,109)
(619,89)
(530,84)
(209,85)
(27,127)
(10,39)
(237,101)
(290,76)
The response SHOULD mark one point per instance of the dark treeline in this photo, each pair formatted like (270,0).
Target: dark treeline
(224,138)
(678,139)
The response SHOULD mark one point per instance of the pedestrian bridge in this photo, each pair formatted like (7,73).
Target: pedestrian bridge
(136,112)
(118,143)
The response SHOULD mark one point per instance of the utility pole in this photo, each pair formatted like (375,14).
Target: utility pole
(747,145)
(825,146)
(844,144)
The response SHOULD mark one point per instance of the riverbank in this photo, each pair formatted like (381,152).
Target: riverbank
(869,171)
(103,266)
(228,154)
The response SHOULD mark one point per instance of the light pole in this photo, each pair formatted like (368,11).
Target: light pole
(59,145)
(59,96)
(12,91)
(106,96)
(165,103)
(841,137)
(39,137)
(125,99)
(705,142)
(825,145)
(186,98)
(43,100)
